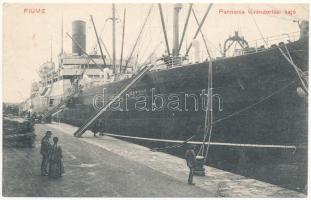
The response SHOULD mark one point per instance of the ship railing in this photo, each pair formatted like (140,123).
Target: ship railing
(168,62)
(159,66)
(261,44)
(172,61)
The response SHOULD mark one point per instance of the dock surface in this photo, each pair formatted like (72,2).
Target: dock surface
(109,167)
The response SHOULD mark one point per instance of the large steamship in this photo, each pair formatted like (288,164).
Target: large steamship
(258,98)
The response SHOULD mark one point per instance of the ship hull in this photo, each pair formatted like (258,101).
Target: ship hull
(255,102)
(255,98)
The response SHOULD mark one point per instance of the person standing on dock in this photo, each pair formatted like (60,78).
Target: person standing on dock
(98,128)
(45,151)
(190,158)
(56,167)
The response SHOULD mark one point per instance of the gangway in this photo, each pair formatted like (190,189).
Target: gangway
(92,119)
(60,105)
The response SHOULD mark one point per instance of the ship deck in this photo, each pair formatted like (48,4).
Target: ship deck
(109,167)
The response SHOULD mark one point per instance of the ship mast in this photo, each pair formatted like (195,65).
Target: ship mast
(177,8)
(199,28)
(123,31)
(185,28)
(164,29)
(62,37)
(113,38)
(98,41)
(51,58)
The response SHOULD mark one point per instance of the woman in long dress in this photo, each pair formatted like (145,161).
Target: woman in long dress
(56,168)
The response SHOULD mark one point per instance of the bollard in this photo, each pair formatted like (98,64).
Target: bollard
(199,169)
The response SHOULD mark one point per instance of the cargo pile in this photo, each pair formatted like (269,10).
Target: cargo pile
(18,132)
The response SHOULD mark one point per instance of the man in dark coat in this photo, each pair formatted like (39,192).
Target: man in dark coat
(45,151)
(190,158)
(98,128)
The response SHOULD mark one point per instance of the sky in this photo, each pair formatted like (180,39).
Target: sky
(28,36)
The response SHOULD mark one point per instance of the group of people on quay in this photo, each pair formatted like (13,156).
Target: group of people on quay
(52,164)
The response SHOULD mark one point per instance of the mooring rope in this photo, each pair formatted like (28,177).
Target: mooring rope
(296,68)
(211,143)
(173,146)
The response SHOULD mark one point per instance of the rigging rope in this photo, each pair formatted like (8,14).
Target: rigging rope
(208,122)
(138,38)
(258,28)
(202,35)
(290,57)
(296,68)
(278,17)
(145,36)
(254,104)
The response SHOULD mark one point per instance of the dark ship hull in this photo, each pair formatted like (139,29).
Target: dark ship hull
(255,102)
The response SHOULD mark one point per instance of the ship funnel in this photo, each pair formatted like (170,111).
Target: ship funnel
(78,34)
(196,47)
